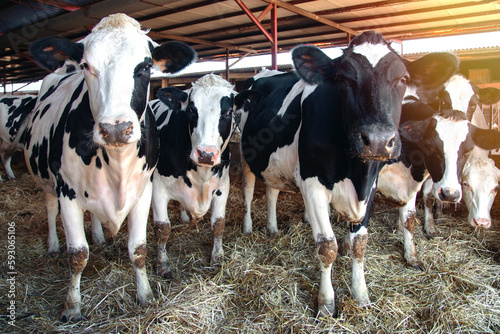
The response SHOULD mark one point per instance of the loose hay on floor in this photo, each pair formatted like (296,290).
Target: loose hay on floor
(265,284)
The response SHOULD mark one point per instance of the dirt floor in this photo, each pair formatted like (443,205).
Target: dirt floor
(265,284)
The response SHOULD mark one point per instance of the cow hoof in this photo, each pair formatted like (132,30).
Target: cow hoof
(216,261)
(247,231)
(71,315)
(417,265)
(53,254)
(272,231)
(167,275)
(362,302)
(431,234)
(327,311)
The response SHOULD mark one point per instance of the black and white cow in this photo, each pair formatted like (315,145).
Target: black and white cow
(478,175)
(328,134)
(434,144)
(92,143)
(13,112)
(195,127)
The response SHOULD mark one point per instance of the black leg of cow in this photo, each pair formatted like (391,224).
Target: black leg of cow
(162,233)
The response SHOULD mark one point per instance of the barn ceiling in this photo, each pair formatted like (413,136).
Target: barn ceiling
(212,27)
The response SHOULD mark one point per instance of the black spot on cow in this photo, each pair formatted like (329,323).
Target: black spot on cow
(86,195)
(218,193)
(149,145)
(18,114)
(98,163)
(142,74)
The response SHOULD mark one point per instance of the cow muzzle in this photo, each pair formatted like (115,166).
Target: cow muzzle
(449,195)
(481,222)
(117,134)
(206,155)
(376,143)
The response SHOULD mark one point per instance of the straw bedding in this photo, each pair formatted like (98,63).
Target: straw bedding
(265,284)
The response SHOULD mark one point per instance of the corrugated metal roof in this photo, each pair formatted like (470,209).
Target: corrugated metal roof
(212,26)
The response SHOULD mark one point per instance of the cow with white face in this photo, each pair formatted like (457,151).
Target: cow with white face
(326,131)
(91,142)
(195,127)
(14,109)
(479,176)
(434,144)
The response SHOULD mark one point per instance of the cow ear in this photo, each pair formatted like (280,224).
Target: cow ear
(433,69)
(485,139)
(50,53)
(247,100)
(173,56)
(312,65)
(414,131)
(488,95)
(172,96)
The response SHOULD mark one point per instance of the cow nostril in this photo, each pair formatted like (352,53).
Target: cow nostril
(365,139)
(391,142)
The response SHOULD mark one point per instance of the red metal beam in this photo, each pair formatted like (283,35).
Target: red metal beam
(60,4)
(255,20)
(274,34)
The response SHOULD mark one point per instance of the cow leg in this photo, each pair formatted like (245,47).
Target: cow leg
(7,158)
(52,207)
(317,205)
(97,232)
(407,218)
(185,217)
(217,220)
(137,223)
(162,228)
(272,199)
(248,189)
(429,201)
(78,254)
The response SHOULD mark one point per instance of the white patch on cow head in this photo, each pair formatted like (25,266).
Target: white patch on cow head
(453,133)
(460,92)
(480,180)
(114,53)
(206,96)
(372,52)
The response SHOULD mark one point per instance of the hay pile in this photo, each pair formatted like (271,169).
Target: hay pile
(266,284)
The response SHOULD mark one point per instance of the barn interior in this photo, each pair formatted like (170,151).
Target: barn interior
(267,283)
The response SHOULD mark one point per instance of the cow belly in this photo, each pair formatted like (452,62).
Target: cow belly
(344,199)
(279,172)
(396,183)
(195,198)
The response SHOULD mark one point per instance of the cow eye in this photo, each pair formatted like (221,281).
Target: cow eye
(227,113)
(465,184)
(404,79)
(84,66)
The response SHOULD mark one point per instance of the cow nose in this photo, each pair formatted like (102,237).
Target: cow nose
(206,155)
(449,195)
(116,134)
(379,144)
(481,222)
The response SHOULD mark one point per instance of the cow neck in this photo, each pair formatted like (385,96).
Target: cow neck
(122,166)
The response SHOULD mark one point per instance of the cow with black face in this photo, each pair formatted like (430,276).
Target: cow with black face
(195,127)
(91,142)
(14,109)
(328,133)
